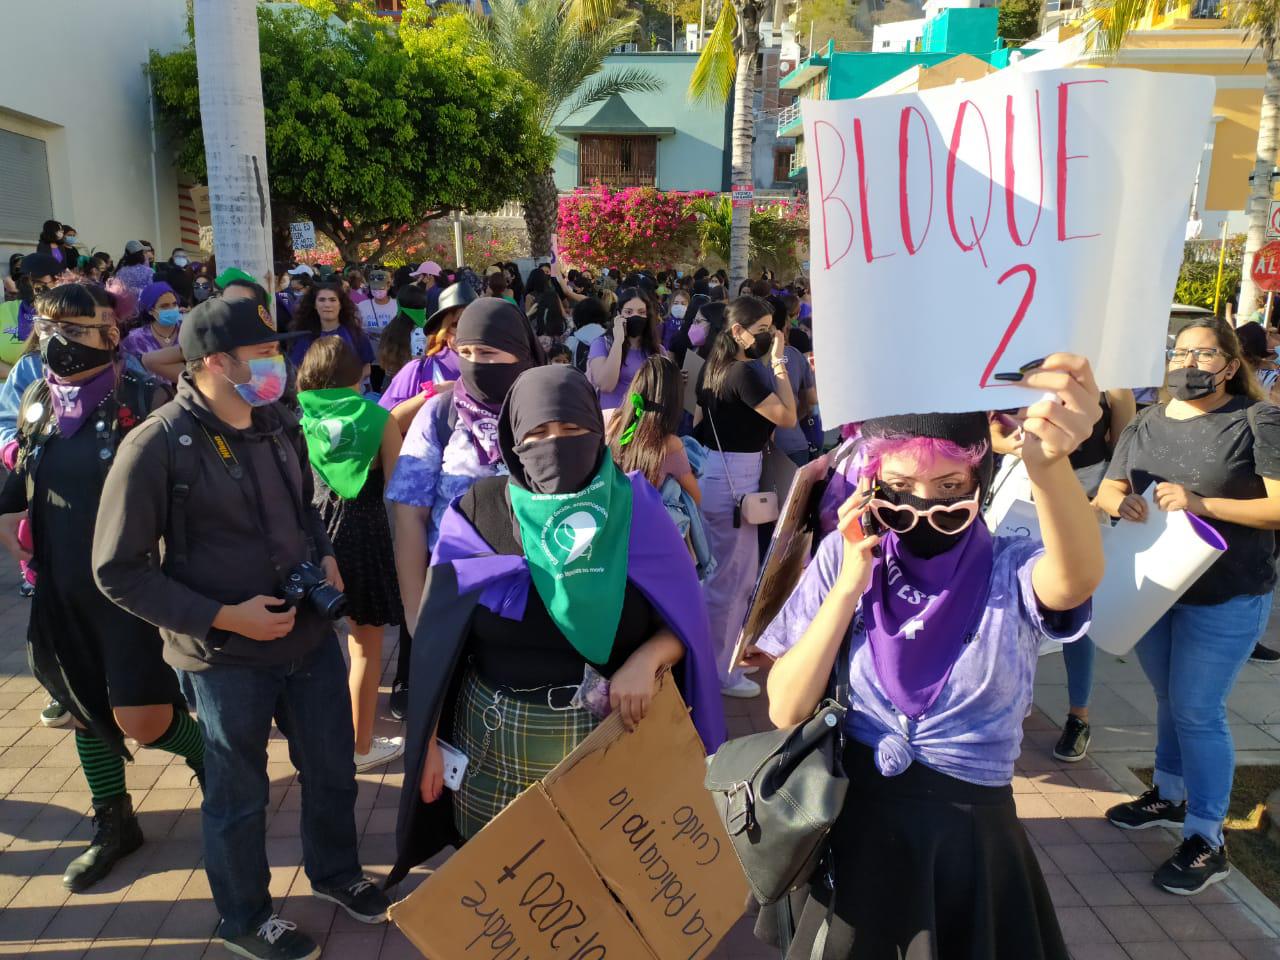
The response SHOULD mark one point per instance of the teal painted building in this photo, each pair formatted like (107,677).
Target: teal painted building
(646,139)
(840,75)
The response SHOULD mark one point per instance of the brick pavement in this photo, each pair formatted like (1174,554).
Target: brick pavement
(157,903)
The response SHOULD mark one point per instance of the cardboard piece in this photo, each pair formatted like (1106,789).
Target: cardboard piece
(692,370)
(624,816)
(637,804)
(980,225)
(520,888)
(1149,567)
(787,556)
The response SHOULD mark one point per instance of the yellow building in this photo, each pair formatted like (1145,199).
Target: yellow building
(1190,37)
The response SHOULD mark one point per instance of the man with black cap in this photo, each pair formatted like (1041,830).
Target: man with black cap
(220,477)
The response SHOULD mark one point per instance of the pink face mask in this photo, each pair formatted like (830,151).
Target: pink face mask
(698,334)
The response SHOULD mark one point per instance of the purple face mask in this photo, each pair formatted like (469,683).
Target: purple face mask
(698,334)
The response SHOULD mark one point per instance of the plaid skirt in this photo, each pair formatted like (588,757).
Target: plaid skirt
(510,743)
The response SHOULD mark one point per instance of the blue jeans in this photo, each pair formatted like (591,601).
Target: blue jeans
(1192,657)
(312,707)
(1078,658)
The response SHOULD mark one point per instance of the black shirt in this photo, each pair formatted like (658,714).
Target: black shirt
(1213,455)
(740,428)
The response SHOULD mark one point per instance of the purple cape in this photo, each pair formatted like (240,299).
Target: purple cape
(658,564)
(466,572)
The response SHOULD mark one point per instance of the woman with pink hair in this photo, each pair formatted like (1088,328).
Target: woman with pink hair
(933,626)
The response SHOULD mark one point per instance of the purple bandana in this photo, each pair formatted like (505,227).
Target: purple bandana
(74,402)
(920,612)
(481,422)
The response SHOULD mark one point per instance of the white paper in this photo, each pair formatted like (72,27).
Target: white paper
(1149,567)
(1079,254)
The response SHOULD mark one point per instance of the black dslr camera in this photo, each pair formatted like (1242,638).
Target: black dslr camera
(307,582)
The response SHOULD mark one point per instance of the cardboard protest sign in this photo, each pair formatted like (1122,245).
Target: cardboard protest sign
(637,804)
(1149,566)
(692,370)
(786,557)
(618,853)
(520,888)
(970,229)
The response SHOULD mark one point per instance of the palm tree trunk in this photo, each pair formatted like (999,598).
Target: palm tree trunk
(1260,187)
(235,137)
(541,208)
(743,139)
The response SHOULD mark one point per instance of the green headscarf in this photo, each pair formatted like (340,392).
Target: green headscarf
(344,433)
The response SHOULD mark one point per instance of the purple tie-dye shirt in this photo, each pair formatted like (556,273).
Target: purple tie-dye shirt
(973,731)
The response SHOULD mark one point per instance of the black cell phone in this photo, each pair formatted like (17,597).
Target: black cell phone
(737,514)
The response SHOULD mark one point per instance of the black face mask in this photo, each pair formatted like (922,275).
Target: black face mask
(636,325)
(489,382)
(923,540)
(66,358)
(1192,383)
(760,345)
(560,464)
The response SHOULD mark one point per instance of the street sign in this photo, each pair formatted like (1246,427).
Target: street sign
(1273,221)
(1266,267)
(303,235)
(743,194)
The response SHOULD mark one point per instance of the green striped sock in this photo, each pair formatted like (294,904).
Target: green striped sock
(184,739)
(103,768)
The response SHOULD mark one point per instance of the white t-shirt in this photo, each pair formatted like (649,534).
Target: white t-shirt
(375,316)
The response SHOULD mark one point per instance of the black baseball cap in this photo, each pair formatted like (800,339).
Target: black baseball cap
(220,326)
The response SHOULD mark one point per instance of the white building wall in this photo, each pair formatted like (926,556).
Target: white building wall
(900,37)
(72,76)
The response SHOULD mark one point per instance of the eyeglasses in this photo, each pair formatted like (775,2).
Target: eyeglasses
(945,517)
(67,331)
(1199,355)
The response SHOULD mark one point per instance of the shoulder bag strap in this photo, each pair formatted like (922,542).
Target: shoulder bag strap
(728,474)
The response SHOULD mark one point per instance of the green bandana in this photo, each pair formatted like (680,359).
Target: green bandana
(417,314)
(576,545)
(344,434)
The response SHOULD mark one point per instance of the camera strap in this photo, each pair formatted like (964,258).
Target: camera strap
(257,501)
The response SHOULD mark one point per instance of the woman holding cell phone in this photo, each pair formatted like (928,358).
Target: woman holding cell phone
(941,623)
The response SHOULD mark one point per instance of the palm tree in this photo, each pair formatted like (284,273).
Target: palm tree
(727,64)
(1260,20)
(559,47)
(235,135)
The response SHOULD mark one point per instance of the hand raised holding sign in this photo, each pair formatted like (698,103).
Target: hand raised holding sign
(1062,420)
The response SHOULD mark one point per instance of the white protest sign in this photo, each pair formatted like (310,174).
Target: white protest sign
(1273,221)
(968,230)
(1148,567)
(302,235)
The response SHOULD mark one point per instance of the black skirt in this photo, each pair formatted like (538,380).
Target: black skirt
(361,538)
(925,867)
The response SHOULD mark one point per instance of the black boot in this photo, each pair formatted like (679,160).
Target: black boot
(116,835)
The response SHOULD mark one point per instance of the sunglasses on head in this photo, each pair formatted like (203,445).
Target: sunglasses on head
(944,517)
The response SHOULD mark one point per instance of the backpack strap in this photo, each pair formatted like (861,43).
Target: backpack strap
(182,469)
(444,419)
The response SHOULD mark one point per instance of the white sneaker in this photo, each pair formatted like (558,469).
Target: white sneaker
(748,671)
(383,751)
(744,689)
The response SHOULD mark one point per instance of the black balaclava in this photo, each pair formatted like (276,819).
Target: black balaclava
(495,323)
(962,429)
(555,393)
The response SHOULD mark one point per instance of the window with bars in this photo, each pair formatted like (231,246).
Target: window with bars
(27,202)
(619,161)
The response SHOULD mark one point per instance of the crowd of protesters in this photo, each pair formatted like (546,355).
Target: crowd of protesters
(208,479)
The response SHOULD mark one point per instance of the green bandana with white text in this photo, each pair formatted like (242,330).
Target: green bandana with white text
(344,434)
(576,545)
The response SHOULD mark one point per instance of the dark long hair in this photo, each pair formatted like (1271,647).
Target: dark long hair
(1244,383)
(651,339)
(307,320)
(49,233)
(743,311)
(660,387)
(395,346)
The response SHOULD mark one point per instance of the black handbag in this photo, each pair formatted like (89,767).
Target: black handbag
(779,793)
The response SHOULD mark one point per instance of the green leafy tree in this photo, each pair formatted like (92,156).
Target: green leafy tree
(558,47)
(1019,20)
(775,232)
(366,137)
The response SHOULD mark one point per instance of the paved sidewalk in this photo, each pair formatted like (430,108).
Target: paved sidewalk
(157,903)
